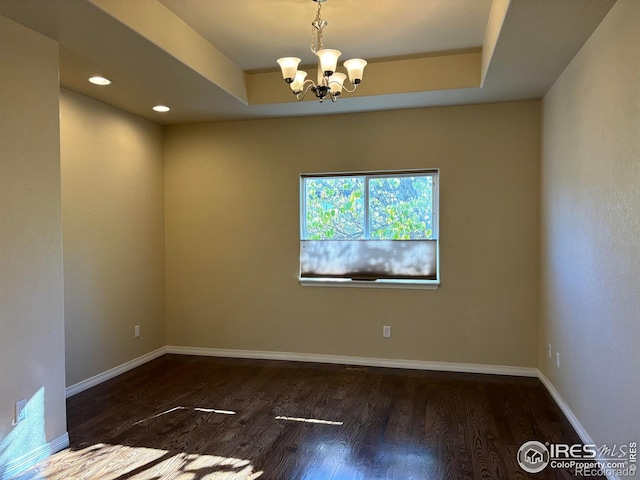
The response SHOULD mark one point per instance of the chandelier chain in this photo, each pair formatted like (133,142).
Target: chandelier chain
(316,31)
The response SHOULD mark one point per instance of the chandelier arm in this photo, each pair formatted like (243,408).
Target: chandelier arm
(344,87)
(300,95)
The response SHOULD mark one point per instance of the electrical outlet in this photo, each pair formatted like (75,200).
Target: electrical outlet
(386,331)
(21,413)
(549,350)
(558,359)
(136,331)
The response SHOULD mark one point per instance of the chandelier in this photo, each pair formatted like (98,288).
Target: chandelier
(329,82)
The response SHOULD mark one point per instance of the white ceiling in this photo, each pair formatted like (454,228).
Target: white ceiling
(215,59)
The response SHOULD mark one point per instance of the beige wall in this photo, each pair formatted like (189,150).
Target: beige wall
(591,230)
(113,218)
(31,277)
(232,235)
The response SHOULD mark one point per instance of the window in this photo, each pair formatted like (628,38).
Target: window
(371,229)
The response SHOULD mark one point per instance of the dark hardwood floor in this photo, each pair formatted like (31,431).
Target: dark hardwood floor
(184,417)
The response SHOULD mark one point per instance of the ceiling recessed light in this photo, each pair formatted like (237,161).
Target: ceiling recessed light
(161,108)
(100,81)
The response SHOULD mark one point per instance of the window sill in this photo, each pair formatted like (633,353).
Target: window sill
(345,282)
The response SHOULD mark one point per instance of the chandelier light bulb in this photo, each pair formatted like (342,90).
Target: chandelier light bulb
(355,68)
(298,81)
(289,66)
(328,60)
(336,83)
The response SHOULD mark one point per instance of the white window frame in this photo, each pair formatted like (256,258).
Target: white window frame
(379,283)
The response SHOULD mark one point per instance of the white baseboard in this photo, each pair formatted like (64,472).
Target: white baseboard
(573,420)
(114,372)
(33,457)
(300,357)
(348,360)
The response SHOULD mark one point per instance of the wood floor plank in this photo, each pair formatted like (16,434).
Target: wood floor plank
(196,418)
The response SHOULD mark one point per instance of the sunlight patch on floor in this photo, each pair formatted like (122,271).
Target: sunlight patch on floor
(213,410)
(111,462)
(196,409)
(309,420)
